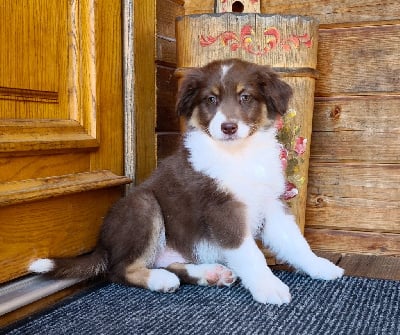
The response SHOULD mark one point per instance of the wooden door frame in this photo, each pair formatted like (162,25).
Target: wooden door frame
(139,70)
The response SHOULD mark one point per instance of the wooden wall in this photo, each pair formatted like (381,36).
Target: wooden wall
(354,199)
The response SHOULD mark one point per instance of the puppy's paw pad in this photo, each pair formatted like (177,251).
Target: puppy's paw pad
(161,280)
(272,292)
(219,275)
(211,274)
(325,270)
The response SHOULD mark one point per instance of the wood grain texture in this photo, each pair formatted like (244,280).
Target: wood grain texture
(61,226)
(22,136)
(359,61)
(145,96)
(41,166)
(355,146)
(166,12)
(327,12)
(356,242)
(18,192)
(203,38)
(36,68)
(167,83)
(355,196)
(108,88)
(336,11)
(379,267)
(32,81)
(71,123)
(373,114)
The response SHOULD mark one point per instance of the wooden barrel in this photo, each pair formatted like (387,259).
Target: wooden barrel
(286,43)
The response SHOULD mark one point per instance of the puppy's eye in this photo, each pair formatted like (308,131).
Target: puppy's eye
(245,98)
(212,100)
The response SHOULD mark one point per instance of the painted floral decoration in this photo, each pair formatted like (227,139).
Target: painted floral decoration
(293,147)
(245,40)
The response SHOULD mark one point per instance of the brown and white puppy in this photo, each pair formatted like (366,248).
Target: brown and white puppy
(196,218)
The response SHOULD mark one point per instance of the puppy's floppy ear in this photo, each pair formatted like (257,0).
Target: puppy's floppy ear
(275,91)
(188,92)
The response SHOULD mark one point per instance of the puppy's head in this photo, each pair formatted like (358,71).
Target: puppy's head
(232,99)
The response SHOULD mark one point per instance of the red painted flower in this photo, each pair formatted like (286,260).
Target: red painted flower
(301,145)
(283,157)
(278,122)
(290,192)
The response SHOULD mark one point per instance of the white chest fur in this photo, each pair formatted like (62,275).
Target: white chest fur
(249,169)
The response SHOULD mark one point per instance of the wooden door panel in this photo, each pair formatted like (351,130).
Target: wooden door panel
(55,227)
(33,58)
(61,126)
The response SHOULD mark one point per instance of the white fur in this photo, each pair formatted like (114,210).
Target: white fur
(283,236)
(161,280)
(206,252)
(167,257)
(42,265)
(249,263)
(225,70)
(250,169)
(216,132)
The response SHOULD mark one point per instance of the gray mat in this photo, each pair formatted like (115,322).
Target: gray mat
(347,306)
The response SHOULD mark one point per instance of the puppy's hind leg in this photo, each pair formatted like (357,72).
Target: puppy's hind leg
(160,280)
(136,226)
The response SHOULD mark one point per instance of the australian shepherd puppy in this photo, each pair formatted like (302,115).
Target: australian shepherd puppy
(195,220)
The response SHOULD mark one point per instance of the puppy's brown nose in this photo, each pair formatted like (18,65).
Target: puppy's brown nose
(229,128)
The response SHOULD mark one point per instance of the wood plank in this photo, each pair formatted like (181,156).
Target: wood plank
(37,67)
(18,192)
(342,72)
(379,267)
(167,83)
(167,143)
(353,242)
(336,11)
(166,51)
(199,6)
(145,85)
(377,114)
(354,196)
(43,135)
(327,12)
(355,146)
(167,11)
(40,166)
(108,118)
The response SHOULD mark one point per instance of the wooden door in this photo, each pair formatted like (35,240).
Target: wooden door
(61,126)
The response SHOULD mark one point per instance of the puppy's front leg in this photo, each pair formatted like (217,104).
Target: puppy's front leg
(248,262)
(282,235)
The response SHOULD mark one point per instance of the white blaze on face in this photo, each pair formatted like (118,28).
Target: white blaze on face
(224,70)
(217,133)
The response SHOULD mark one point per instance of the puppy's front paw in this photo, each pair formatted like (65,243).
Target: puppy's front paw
(272,291)
(321,268)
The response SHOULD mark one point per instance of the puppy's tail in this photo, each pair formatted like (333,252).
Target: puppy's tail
(85,266)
